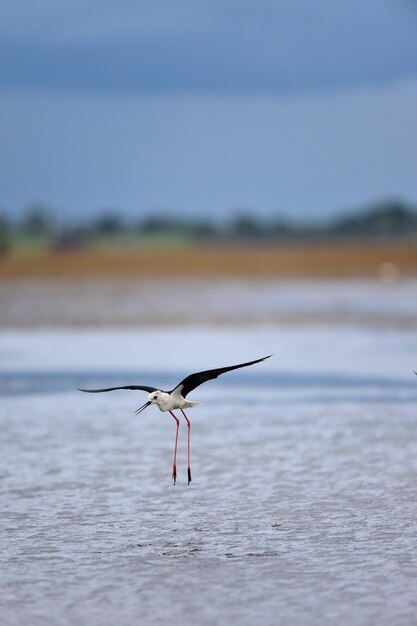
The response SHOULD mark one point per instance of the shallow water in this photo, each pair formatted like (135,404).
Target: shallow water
(303,505)
(81,303)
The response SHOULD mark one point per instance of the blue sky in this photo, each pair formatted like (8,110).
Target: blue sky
(293,107)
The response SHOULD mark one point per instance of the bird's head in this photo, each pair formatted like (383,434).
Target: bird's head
(153,398)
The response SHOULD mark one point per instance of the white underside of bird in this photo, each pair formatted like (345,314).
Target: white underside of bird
(170,401)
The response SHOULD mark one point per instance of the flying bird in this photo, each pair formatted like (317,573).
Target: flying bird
(176,399)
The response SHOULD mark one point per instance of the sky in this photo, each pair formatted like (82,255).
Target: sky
(288,107)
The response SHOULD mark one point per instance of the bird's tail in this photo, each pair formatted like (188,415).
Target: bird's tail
(190,405)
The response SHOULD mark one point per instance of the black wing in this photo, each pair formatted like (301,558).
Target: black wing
(194,380)
(134,387)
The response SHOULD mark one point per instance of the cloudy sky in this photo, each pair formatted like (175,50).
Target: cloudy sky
(291,106)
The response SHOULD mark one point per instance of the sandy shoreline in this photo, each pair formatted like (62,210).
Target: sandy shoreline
(335,260)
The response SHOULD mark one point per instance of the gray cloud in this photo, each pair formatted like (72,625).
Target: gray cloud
(209,46)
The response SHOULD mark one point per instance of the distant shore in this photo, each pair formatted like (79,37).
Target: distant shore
(386,261)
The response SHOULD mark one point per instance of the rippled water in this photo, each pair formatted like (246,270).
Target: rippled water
(303,505)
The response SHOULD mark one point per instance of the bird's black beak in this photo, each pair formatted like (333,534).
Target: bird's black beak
(142,408)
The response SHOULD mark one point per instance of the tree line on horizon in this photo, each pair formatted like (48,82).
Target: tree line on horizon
(387,220)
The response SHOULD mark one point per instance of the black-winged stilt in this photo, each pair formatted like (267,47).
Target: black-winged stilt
(175,399)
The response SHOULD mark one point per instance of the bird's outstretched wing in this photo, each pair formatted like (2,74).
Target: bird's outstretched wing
(134,387)
(194,380)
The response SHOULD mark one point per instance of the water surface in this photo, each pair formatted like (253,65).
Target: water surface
(303,505)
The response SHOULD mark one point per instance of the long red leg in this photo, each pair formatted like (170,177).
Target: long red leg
(189,446)
(174,465)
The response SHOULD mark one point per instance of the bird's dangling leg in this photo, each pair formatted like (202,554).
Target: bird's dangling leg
(188,446)
(174,465)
